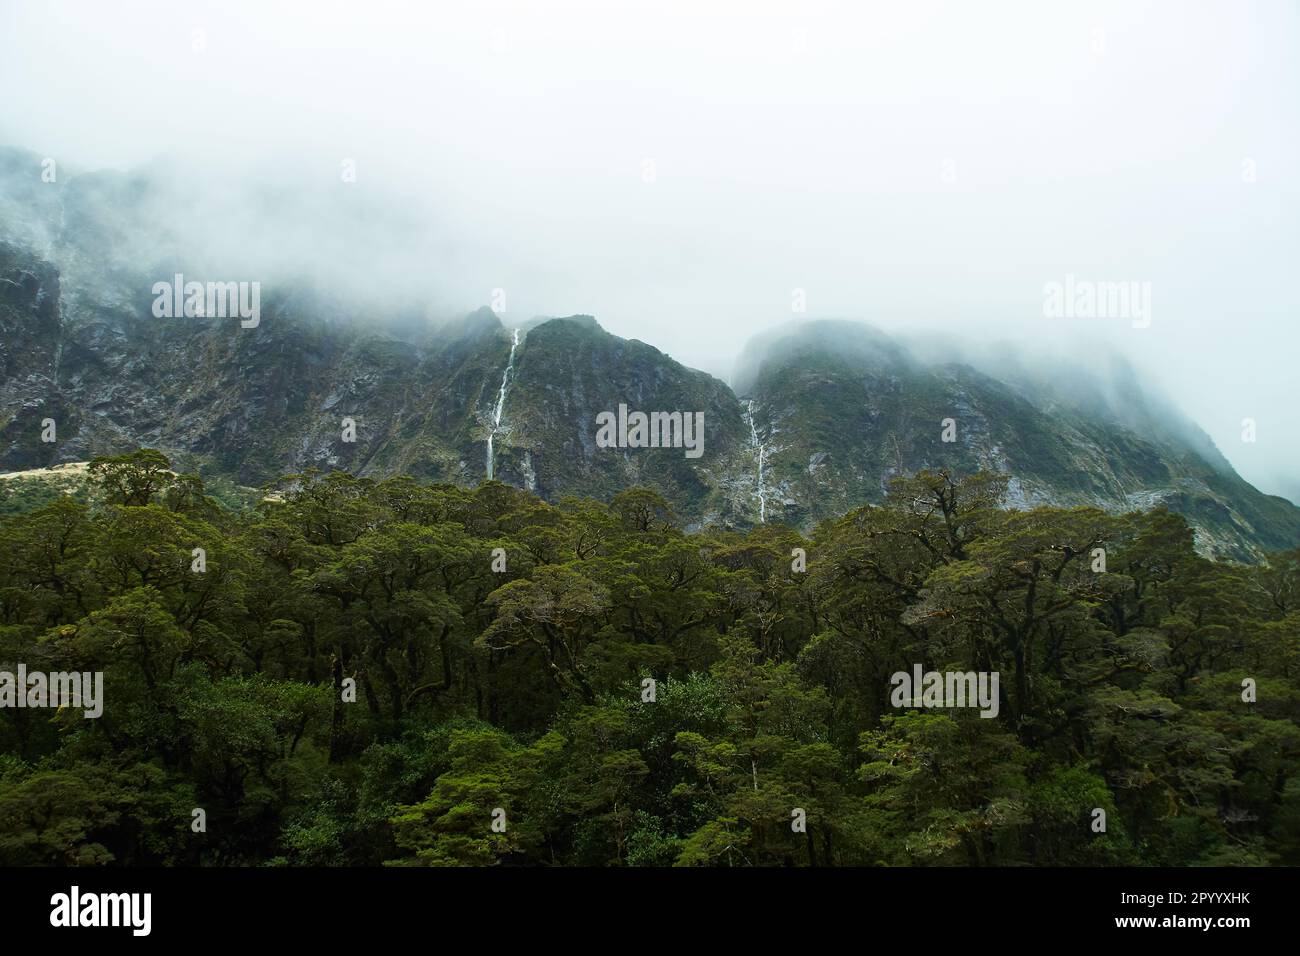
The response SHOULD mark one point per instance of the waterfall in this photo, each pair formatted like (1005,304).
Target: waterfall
(761,450)
(501,402)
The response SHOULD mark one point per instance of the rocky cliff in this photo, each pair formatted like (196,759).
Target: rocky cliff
(822,416)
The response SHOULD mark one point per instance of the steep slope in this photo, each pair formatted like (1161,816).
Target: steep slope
(823,416)
(570,370)
(30,342)
(841,409)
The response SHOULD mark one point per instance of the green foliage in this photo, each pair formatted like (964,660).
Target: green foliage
(349,680)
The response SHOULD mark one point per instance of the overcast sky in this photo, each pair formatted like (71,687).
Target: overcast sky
(678,170)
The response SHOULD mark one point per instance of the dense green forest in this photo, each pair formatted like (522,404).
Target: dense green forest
(358,672)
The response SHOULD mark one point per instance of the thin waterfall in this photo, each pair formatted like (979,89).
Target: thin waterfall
(761,451)
(501,403)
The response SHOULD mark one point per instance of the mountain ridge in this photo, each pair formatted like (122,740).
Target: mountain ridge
(824,413)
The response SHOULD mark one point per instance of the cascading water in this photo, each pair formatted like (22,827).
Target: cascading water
(761,451)
(501,402)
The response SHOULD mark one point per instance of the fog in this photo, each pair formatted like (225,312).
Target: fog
(692,173)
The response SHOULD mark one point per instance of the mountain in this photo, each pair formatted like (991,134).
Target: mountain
(839,409)
(823,414)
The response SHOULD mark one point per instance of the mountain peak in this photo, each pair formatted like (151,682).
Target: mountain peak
(583,321)
(479,322)
(817,341)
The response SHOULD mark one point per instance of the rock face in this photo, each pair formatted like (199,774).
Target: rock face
(841,408)
(568,372)
(822,417)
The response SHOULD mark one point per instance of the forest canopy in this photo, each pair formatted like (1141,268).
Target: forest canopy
(360,672)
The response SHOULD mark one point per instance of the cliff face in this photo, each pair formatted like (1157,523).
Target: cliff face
(841,408)
(568,372)
(823,416)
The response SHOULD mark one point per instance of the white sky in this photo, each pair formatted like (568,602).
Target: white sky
(795,145)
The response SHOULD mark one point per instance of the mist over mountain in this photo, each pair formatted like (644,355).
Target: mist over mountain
(819,416)
(887,162)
